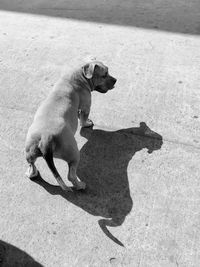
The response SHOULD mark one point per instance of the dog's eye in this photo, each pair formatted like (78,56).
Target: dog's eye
(105,75)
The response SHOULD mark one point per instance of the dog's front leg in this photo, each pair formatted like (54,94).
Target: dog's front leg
(84,121)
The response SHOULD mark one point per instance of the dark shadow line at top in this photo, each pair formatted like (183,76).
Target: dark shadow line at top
(169,15)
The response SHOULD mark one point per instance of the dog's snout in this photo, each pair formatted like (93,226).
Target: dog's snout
(111,82)
(114,80)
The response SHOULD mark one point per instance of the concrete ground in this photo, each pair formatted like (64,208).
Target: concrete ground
(140,161)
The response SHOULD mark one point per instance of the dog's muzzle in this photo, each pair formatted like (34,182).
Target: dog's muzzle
(111,82)
(108,86)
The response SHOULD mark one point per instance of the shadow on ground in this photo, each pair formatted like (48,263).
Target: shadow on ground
(168,15)
(12,256)
(103,167)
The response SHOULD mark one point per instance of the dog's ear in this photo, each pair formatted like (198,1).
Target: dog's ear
(88,70)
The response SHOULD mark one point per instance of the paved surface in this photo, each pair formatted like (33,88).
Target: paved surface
(141,160)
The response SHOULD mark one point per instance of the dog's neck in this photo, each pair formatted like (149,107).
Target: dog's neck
(90,82)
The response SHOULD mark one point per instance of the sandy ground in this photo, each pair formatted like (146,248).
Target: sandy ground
(141,206)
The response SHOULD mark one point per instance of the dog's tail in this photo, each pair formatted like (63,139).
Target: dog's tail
(46,148)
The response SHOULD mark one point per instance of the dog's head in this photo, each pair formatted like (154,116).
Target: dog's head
(97,74)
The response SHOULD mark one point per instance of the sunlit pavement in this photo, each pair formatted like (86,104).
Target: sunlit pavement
(140,161)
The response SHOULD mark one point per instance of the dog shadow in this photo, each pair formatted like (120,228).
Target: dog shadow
(13,256)
(103,167)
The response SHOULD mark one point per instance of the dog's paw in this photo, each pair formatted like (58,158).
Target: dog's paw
(67,189)
(88,123)
(32,173)
(80,185)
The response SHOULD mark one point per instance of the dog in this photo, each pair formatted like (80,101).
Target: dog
(56,120)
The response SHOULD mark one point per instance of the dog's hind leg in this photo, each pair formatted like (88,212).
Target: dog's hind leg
(73,178)
(73,165)
(45,146)
(31,156)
